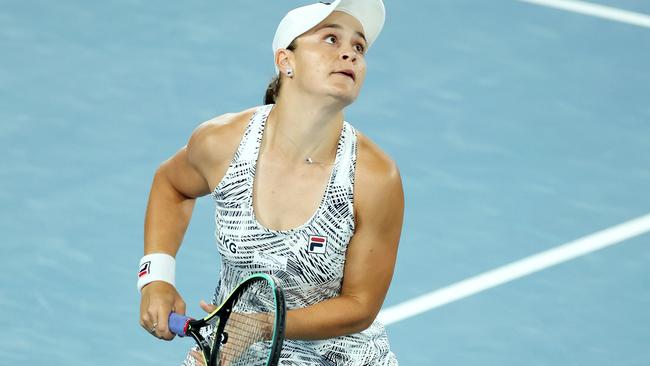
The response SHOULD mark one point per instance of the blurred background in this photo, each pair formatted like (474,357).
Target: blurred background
(517,128)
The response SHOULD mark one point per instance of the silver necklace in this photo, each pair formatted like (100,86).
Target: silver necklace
(308,158)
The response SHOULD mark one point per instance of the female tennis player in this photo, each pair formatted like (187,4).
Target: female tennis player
(299,194)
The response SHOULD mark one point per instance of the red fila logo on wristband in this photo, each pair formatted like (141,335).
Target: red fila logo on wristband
(317,244)
(144,269)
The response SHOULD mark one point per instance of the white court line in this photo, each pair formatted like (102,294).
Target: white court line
(520,268)
(601,11)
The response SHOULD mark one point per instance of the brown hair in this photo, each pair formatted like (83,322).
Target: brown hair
(273,90)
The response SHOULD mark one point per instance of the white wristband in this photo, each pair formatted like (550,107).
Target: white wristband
(156,267)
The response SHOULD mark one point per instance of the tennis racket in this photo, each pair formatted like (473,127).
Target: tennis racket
(246,329)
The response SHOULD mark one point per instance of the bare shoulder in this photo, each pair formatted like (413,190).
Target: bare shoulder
(214,143)
(373,164)
(377,178)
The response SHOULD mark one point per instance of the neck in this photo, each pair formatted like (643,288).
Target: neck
(304,129)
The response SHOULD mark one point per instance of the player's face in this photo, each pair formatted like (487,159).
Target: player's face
(329,58)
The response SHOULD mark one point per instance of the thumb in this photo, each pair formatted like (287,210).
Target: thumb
(208,308)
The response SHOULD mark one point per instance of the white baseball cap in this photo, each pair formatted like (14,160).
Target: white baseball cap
(370,13)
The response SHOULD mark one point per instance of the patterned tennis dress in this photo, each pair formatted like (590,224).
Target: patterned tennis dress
(307,261)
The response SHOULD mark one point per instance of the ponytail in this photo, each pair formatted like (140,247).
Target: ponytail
(273,90)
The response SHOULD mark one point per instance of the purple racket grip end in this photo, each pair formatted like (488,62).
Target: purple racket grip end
(178,324)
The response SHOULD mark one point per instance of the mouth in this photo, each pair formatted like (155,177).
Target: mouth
(348,73)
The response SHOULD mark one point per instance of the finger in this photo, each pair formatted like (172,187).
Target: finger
(198,357)
(158,327)
(148,323)
(145,317)
(152,324)
(208,308)
(227,360)
(162,327)
(145,321)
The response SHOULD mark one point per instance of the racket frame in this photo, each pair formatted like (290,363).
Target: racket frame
(210,352)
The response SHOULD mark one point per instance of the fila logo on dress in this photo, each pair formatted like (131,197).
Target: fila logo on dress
(317,244)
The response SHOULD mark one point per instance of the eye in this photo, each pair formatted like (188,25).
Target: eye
(360,48)
(330,39)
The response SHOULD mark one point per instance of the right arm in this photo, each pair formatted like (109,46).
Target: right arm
(176,185)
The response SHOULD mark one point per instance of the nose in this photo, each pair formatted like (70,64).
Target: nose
(349,55)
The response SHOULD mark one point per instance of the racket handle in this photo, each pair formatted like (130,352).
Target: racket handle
(178,324)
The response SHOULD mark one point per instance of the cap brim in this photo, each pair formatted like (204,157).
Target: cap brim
(370,13)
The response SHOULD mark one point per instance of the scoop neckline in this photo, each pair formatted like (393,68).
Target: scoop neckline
(324,196)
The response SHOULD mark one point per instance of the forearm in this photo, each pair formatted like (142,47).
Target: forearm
(331,318)
(167,217)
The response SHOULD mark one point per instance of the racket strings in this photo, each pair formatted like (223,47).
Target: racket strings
(248,331)
(245,345)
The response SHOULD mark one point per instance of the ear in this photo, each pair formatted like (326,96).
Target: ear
(284,59)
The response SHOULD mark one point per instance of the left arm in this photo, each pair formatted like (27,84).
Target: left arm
(370,259)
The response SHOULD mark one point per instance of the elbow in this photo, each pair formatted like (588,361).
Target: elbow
(363,322)
(363,318)
(370,318)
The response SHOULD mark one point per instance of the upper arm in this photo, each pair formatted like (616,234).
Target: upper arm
(372,251)
(181,171)
(194,168)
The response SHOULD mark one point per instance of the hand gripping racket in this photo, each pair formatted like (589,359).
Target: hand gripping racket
(246,329)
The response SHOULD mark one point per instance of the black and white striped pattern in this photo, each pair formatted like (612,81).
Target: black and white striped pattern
(307,277)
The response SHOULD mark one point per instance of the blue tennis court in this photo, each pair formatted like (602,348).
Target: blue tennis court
(517,127)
